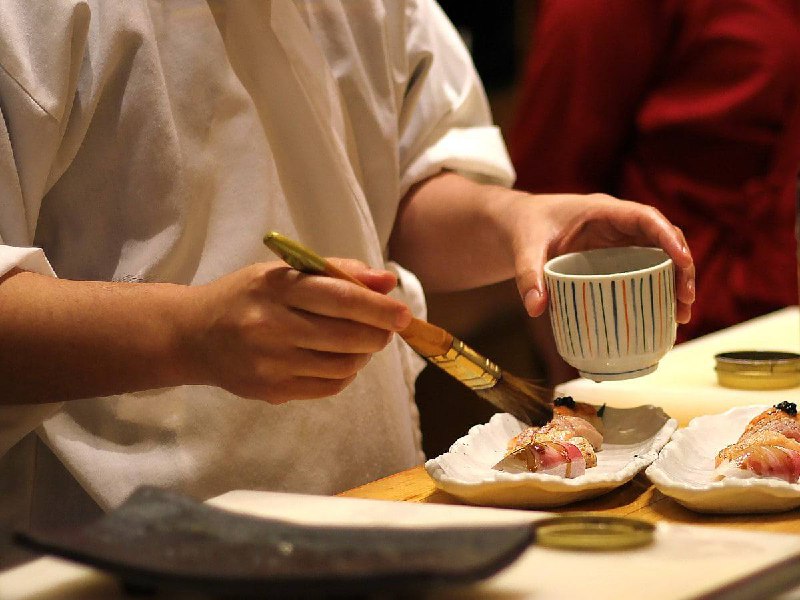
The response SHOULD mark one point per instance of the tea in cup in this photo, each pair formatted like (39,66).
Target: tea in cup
(612,310)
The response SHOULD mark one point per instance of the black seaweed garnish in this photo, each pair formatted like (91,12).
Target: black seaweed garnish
(790,408)
(601,410)
(567,401)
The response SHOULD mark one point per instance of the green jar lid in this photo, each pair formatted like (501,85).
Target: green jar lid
(593,532)
(758,369)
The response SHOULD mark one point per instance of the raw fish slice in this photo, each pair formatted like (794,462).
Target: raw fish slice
(565,405)
(788,427)
(763,461)
(562,459)
(560,435)
(761,454)
(523,438)
(561,427)
(574,426)
(784,411)
(781,418)
(586,449)
(758,438)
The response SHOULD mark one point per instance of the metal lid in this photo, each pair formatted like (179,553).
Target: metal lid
(758,369)
(593,532)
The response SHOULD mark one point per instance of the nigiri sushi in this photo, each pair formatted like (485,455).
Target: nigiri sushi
(781,418)
(572,427)
(763,454)
(564,446)
(768,447)
(566,405)
(568,421)
(541,455)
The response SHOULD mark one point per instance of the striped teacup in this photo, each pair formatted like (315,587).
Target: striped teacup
(612,310)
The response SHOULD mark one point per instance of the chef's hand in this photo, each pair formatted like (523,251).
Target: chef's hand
(455,233)
(272,333)
(550,225)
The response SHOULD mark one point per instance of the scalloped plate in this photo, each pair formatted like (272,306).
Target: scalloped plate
(684,470)
(632,440)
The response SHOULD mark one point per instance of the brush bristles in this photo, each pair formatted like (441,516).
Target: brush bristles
(525,399)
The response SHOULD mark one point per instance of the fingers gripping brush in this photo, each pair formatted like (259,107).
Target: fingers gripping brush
(524,399)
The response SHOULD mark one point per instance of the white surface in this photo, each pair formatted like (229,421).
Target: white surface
(685,383)
(685,469)
(684,562)
(633,437)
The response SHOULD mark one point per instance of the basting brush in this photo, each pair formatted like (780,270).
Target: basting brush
(524,399)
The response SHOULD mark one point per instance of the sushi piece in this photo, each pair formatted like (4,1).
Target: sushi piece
(571,426)
(566,405)
(563,459)
(565,446)
(763,454)
(781,418)
(566,423)
(768,447)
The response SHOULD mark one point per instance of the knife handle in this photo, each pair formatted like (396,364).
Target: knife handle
(427,339)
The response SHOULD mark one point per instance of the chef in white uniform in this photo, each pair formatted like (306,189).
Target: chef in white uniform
(146,334)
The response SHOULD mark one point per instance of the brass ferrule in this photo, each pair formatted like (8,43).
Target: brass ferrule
(466,365)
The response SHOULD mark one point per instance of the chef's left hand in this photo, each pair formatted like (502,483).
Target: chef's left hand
(546,226)
(455,233)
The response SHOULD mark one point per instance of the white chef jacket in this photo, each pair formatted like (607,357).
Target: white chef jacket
(158,141)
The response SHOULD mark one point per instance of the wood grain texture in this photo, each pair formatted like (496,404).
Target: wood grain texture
(637,498)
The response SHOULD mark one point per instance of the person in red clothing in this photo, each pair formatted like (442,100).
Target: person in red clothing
(691,106)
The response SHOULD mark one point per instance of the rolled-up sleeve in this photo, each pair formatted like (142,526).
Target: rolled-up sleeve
(16,421)
(17,224)
(41,51)
(445,121)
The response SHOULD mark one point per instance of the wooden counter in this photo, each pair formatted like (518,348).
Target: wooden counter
(638,498)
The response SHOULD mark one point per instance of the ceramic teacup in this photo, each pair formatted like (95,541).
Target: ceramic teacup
(612,310)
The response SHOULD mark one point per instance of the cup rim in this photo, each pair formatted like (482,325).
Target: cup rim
(548,266)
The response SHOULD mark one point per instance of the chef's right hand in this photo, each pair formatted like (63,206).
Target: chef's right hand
(272,333)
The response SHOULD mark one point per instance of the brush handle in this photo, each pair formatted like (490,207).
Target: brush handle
(425,338)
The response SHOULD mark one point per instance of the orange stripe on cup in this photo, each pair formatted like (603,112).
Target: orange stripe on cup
(660,309)
(586,320)
(625,309)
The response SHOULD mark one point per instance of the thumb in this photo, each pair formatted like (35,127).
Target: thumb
(378,280)
(530,281)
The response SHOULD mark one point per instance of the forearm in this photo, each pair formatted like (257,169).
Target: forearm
(62,340)
(451,232)
(455,234)
(265,332)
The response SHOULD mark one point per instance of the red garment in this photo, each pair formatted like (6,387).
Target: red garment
(691,106)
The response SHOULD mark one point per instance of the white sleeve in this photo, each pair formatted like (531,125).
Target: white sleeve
(27,259)
(445,120)
(16,421)
(41,50)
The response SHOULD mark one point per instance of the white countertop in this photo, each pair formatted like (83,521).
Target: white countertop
(684,562)
(685,383)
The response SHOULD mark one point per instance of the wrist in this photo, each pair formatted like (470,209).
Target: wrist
(180,351)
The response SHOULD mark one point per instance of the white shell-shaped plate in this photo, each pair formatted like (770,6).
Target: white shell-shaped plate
(685,469)
(633,437)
